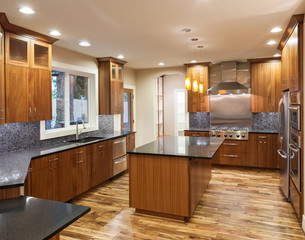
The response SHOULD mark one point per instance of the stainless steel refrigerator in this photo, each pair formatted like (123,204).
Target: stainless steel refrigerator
(283,151)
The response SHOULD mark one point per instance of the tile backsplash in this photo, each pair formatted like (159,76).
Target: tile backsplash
(260,121)
(17,136)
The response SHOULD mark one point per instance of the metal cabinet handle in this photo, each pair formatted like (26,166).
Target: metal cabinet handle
(80,152)
(279,152)
(55,159)
(293,149)
(262,137)
(230,144)
(195,135)
(101,146)
(231,156)
(121,141)
(30,112)
(35,113)
(80,161)
(293,108)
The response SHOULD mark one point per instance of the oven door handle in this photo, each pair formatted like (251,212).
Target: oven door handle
(293,149)
(279,152)
(293,108)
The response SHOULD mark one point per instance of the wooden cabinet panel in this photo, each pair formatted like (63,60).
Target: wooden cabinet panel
(40,98)
(196,134)
(111,84)
(2,78)
(285,68)
(17,108)
(295,199)
(266,86)
(293,60)
(198,102)
(130,142)
(266,150)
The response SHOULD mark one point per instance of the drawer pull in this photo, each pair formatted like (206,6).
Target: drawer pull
(231,156)
(230,144)
(80,152)
(80,161)
(51,160)
(101,146)
(262,136)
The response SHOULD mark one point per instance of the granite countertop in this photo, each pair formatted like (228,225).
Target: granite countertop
(191,147)
(250,131)
(14,165)
(29,218)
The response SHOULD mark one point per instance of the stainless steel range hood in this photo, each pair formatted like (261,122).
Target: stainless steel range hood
(230,78)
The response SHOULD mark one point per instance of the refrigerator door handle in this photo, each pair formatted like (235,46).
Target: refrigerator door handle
(282,155)
(281,102)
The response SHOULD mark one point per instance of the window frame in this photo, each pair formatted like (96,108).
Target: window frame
(92,124)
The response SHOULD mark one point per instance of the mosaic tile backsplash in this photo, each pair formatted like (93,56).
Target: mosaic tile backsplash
(260,121)
(18,136)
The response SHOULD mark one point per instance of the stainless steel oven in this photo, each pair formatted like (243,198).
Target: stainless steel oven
(295,157)
(295,111)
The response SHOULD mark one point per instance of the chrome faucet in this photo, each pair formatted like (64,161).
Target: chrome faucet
(79,133)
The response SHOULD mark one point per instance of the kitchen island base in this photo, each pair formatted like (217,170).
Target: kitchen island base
(167,186)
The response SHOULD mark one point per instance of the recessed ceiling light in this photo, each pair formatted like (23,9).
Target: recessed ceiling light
(84,44)
(26,10)
(277,55)
(276,29)
(121,56)
(55,33)
(194,39)
(161,64)
(193,61)
(201,46)
(271,42)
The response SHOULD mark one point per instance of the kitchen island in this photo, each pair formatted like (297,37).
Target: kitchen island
(167,177)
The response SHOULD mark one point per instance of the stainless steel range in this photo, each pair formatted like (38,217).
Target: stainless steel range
(234,133)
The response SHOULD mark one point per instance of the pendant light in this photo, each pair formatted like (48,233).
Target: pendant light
(195,85)
(200,87)
(187,78)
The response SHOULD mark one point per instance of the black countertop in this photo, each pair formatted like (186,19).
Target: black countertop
(191,147)
(14,165)
(250,131)
(30,218)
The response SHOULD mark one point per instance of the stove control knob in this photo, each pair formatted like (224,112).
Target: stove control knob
(225,135)
(218,135)
(230,135)
(243,136)
(237,136)
(213,135)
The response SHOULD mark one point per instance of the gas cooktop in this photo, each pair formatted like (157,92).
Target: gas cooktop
(234,133)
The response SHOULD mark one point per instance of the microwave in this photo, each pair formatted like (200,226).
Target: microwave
(295,111)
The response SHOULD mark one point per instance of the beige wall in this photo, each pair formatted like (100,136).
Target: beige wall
(171,83)
(145,103)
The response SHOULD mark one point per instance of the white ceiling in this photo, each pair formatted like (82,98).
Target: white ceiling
(147,32)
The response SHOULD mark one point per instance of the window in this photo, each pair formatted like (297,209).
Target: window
(73,99)
(127,116)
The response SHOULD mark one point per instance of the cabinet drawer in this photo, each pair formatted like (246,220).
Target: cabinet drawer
(43,162)
(295,199)
(196,134)
(237,159)
(230,146)
(100,146)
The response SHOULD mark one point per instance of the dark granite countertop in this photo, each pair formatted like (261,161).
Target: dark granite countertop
(30,218)
(250,131)
(14,165)
(191,147)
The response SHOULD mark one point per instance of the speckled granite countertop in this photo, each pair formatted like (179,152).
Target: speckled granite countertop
(251,130)
(14,165)
(190,147)
(29,218)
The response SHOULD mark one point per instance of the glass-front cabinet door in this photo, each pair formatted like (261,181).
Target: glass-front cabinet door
(41,55)
(17,50)
(120,72)
(113,71)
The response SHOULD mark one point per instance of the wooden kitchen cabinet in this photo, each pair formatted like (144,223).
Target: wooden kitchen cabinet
(296,197)
(266,150)
(198,102)
(41,55)
(265,86)
(130,142)
(111,85)
(196,134)
(2,78)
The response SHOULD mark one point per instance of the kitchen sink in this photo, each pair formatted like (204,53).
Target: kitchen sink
(86,140)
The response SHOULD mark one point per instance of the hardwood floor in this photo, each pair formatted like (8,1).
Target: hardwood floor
(239,203)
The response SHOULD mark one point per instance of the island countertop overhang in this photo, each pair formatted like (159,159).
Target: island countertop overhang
(181,146)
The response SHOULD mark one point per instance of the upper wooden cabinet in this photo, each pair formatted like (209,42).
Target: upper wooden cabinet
(25,90)
(265,85)
(111,85)
(2,78)
(198,102)
(291,46)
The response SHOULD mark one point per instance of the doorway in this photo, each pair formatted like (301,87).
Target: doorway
(127,116)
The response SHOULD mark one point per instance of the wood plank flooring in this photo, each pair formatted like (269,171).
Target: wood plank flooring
(239,204)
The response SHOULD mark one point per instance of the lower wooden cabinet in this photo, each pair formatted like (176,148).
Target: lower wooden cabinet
(196,134)
(130,142)
(295,199)
(266,150)
(67,174)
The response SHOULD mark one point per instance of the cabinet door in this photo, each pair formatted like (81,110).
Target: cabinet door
(130,142)
(96,167)
(117,95)
(40,98)
(293,46)
(17,108)
(285,68)
(2,78)
(17,50)
(42,183)
(266,151)
(41,55)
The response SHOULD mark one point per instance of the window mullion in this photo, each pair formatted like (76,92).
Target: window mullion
(67,101)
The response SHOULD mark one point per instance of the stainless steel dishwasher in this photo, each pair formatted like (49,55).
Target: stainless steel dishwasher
(119,155)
